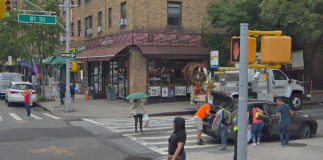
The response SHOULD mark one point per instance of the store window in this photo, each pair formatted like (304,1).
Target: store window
(96,78)
(118,76)
(166,79)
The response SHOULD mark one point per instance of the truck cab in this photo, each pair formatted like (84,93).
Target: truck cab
(269,84)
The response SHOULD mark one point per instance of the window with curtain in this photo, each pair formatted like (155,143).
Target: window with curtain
(124,10)
(100,19)
(174,14)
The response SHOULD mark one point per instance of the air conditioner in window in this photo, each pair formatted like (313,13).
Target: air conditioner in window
(89,31)
(63,39)
(122,22)
(100,29)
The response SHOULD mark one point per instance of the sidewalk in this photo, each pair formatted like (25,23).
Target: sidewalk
(311,148)
(103,108)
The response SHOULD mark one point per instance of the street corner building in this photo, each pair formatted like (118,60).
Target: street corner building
(139,46)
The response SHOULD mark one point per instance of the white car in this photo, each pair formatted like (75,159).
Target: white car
(15,90)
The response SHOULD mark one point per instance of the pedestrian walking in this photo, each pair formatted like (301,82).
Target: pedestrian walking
(62,90)
(29,77)
(198,118)
(223,129)
(177,140)
(73,90)
(137,110)
(55,88)
(256,127)
(27,95)
(285,114)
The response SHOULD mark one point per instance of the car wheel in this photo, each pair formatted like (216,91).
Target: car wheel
(6,100)
(296,102)
(34,104)
(304,131)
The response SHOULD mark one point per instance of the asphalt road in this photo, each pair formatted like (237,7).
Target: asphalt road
(48,137)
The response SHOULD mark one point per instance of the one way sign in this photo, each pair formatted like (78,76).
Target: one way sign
(68,55)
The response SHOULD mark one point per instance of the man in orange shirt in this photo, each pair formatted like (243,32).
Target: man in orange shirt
(198,118)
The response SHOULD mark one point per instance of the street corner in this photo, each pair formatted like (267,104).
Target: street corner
(55,150)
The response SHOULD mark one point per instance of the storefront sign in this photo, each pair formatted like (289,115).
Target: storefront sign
(175,40)
(165,92)
(106,41)
(80,49)
(180,90)
(111,94)
(154,91)
(214,59)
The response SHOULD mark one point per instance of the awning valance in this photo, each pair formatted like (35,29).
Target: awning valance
(174,50)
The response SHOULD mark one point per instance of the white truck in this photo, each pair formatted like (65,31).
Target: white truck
(5,79)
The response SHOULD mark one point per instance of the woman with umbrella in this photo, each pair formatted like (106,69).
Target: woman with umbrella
(137,108)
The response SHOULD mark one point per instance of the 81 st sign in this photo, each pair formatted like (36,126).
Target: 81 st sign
(41,19)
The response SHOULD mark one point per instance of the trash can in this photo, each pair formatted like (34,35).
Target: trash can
(64,102)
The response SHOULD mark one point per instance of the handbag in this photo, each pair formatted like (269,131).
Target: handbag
(133,112)
(291,117)
(171,156)
(260,116)
(30,103)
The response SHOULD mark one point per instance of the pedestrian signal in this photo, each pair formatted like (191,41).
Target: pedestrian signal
(276,49)
(235,50)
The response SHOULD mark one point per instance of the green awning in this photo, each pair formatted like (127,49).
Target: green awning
(49,59)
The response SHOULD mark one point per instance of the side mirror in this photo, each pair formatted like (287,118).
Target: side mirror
(290,81)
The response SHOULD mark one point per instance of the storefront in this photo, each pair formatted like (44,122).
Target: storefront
(143,61)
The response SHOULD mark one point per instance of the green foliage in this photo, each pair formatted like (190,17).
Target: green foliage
(302,20)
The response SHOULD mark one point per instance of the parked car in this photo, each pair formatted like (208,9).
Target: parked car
(14,90)
(303,125)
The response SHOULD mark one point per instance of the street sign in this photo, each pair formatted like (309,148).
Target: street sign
(68,55)
(75,38)
(41,19)
(214,59)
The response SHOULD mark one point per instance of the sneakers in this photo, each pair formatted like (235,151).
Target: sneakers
(201,140)
(141,132)
(283,145)
(73,101)
(27,117)
(286,144)
(199,144)
(253,144)
(258,143)
(223,148)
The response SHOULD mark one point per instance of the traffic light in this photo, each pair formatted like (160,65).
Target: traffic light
(235,50)
(5,11)
(276,49)
(76,66)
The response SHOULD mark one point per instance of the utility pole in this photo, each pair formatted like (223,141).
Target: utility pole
(243,93)
(68,102)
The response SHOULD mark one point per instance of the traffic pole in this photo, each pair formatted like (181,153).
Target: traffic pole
(68,102)
(243,93)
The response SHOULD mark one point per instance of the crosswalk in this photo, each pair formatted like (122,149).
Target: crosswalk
(14,116)
(156,135)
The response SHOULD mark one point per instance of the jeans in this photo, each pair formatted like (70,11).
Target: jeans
(136,121)
(61,96)
(27,106)
(223,135)
(235,145)
(256,129)
(183,155)
(73,94)
(284,127)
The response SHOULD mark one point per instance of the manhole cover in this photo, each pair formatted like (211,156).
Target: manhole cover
(297,144)
(57,106)
(43,139)
(139,158)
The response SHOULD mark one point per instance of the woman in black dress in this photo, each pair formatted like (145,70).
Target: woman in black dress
(177,140)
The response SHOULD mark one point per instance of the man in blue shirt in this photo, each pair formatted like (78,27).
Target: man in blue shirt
(62,90)
(285,113)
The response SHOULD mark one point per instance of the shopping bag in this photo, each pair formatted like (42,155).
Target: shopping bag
(216,125)
(146,120)
(249,133)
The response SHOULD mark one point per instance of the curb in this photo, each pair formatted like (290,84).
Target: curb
(172,113)
(317,92)
(44,108)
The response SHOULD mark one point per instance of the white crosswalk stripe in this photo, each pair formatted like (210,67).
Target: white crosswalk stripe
(156,134)
(1,119)
(16,117)
(36,117)
(54,117)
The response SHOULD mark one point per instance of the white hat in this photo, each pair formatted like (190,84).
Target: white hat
(210,102)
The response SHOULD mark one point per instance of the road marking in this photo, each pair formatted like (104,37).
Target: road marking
(13,115)
(54,117)
(1,119)
(150,125)
(146,129)
(34,116)
(166,137)
(21,121)
(54,150)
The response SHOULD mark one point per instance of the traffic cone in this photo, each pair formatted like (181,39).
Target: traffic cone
(87,95)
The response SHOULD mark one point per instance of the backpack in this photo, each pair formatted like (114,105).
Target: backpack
(226,117)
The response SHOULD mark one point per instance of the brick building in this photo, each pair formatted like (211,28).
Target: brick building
(138,45)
